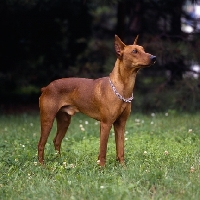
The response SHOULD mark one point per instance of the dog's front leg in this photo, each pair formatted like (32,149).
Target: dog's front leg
(119,128)
(104,135)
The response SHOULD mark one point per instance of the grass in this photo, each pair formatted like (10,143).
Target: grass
(162,160)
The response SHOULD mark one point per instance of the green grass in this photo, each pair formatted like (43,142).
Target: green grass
(162,160)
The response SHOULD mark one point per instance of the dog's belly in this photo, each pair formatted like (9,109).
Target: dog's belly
(90,110)
(105,112)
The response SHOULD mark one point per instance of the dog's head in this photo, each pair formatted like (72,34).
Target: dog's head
(133,55)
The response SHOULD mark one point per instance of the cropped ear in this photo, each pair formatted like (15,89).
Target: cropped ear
(136,39)
(119,46)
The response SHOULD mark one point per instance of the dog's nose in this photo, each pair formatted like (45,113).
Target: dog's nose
(153,58)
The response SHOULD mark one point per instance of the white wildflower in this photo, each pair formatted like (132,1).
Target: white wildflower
(192,169)
(72,165)
(35,163)
(137,120)
(190,131)
(145,152)
(166,152)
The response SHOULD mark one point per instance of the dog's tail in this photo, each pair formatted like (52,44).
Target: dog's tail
(42,89)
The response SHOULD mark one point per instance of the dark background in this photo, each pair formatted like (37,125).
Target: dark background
(43,40)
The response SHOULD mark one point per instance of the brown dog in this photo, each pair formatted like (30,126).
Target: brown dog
(106,99)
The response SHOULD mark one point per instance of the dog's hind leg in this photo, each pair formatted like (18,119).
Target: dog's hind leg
(63,120)
(46,125)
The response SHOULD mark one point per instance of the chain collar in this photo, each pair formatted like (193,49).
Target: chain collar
(119,95)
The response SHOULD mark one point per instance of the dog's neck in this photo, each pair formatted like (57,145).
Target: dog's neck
(123,78)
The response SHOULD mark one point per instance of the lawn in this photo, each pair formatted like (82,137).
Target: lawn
(162,152)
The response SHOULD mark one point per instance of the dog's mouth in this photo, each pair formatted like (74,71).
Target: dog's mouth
(139,66)
(149,65)
(152,63)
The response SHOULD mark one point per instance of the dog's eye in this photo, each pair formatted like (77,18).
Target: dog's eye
(135,51)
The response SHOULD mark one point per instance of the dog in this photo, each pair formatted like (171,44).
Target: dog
(106,99)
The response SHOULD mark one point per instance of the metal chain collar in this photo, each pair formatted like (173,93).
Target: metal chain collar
(119,95)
